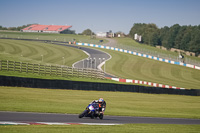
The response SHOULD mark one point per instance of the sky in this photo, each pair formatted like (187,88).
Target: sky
(99,15)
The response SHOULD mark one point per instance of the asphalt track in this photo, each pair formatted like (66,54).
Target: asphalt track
(95,60)
(73,118)
(96,57)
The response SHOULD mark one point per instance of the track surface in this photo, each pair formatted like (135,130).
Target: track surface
(94,61)
(72,118)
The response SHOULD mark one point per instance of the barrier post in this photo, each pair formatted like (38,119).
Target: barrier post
(0,65)
(7,65)
(20,66)
(26,67)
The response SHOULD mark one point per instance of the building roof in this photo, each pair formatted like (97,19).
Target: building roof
(38,27)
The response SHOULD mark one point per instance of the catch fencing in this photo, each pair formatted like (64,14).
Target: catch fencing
(51,70)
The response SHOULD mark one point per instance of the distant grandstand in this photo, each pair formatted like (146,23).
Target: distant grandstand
(46,28)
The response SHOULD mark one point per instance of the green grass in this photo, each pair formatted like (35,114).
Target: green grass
(129,44)
(30,51)
(122,65)
(118,103)
(31,75)
(128,128)
(49,36)
(134,67)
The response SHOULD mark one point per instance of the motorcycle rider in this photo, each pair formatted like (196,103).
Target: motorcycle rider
(101,103)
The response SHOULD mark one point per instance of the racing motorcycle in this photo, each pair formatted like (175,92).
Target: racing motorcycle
(92,110)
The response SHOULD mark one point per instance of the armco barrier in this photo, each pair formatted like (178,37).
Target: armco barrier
(140,54)
(80,85)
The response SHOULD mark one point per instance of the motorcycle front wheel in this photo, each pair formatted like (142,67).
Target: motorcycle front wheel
(101,116)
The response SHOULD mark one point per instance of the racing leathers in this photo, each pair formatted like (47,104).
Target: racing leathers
(102,105)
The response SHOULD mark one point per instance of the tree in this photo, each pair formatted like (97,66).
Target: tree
(149,33)
(162,35)
(186,38)
(194,44)
(87,32)
(172,36)
(179,37)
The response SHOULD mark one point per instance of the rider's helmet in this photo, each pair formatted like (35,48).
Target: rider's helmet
(101,100)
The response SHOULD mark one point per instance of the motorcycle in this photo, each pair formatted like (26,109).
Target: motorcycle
(92,110)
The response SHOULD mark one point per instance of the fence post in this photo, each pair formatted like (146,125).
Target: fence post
(14,66)
(45,70)
(20,66)
(33,69)
(103,75)
(0,64)
(97,75)
(50,70)
(67,71)
(7,65)
(62,71)
(56,70)
(82,72)
(72,71)
(78,72)
(26,67)
(87,74)
(39,69)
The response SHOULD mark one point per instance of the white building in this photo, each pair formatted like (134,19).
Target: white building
(138,37)
(101,34)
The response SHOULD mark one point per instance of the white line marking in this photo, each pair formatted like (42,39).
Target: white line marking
(52,123)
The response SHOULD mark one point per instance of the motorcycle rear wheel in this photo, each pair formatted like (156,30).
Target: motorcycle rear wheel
(92,115)
(83,114)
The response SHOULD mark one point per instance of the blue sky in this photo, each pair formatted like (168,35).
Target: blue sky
(99,15)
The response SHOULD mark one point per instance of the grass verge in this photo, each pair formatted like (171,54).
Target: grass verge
(128,128)
(30,75)
(133,67)
(118,103)
(39,53)
(50,36)
(130,44)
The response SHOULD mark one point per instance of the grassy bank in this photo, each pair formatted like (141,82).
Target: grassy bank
(130,44)
(129,128)
(122,65)
(39,53)
(118,103)
(133,67)
(54,77)
(50,36)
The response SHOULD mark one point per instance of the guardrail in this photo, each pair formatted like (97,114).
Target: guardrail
(51,70)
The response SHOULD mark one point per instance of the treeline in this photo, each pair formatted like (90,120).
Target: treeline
(14,28)
(181,37)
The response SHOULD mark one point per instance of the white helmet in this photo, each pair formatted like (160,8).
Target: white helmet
(101,100)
